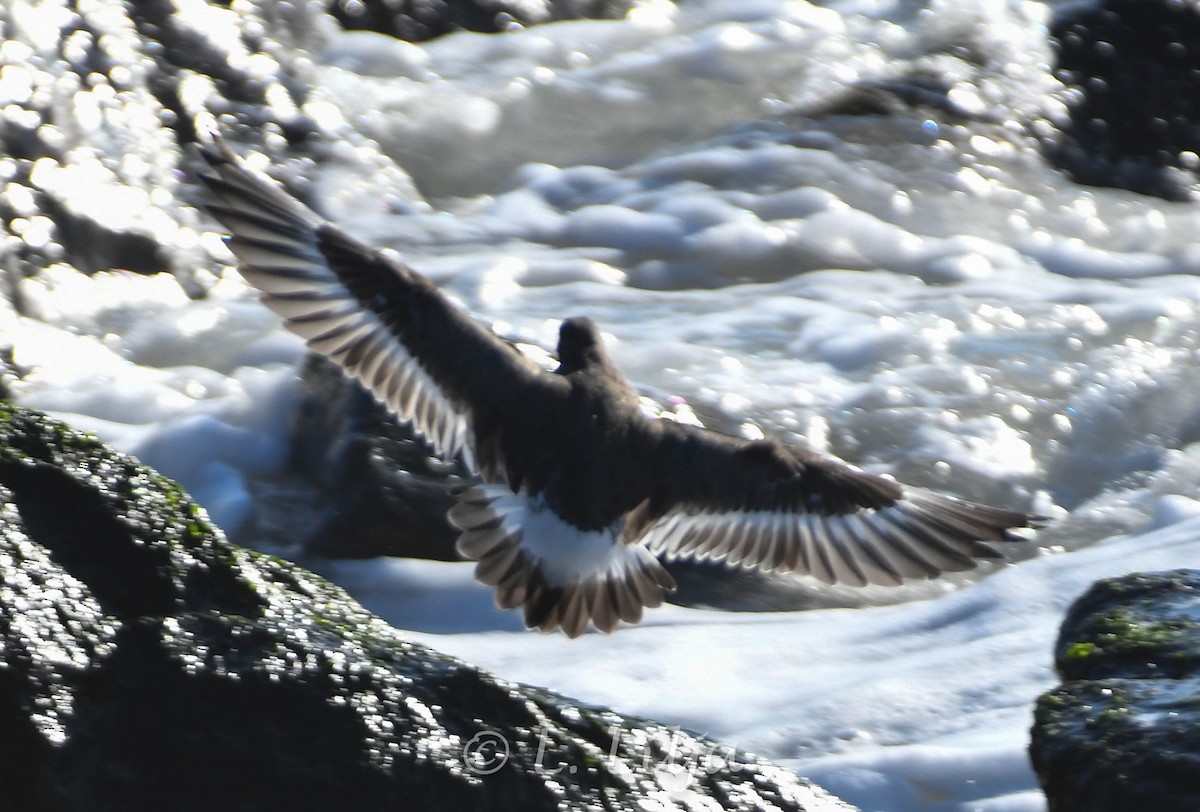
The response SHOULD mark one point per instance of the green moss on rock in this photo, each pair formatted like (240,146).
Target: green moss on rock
(1123,730)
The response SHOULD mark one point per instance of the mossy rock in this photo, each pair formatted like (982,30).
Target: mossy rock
(148,664)
(1118,744)
(1143,624)
(1123,730)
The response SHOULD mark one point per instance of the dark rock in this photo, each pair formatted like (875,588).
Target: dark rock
(87,180)
(1133,69)
(9,371)
(1139,625)
(1123,730)
(94,246)
(94,155)
(419,20)
(210,54)
(148,664)
(373,488)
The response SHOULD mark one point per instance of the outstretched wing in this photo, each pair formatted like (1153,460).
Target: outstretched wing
(382,322)
(779,508)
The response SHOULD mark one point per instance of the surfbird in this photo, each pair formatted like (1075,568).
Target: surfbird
(577,495)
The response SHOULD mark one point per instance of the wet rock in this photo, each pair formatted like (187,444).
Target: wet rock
(373,487)
(90,169)
(1133,72)
(148,664)
(1123,730)
(100,102)
(419,20)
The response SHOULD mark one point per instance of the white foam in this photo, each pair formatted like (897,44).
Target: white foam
(920,296)
(922,707)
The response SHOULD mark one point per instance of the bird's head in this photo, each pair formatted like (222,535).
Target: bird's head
(579,344)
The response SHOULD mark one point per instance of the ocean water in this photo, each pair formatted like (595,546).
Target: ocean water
(916,292)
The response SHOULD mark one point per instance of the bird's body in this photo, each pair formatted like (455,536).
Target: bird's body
(578,493)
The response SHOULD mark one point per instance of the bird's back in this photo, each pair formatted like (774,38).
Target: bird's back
(605,460)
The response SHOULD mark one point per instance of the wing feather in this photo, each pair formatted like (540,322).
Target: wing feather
(385,324)
(776,508)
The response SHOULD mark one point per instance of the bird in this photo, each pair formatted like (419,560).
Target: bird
(577,496)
